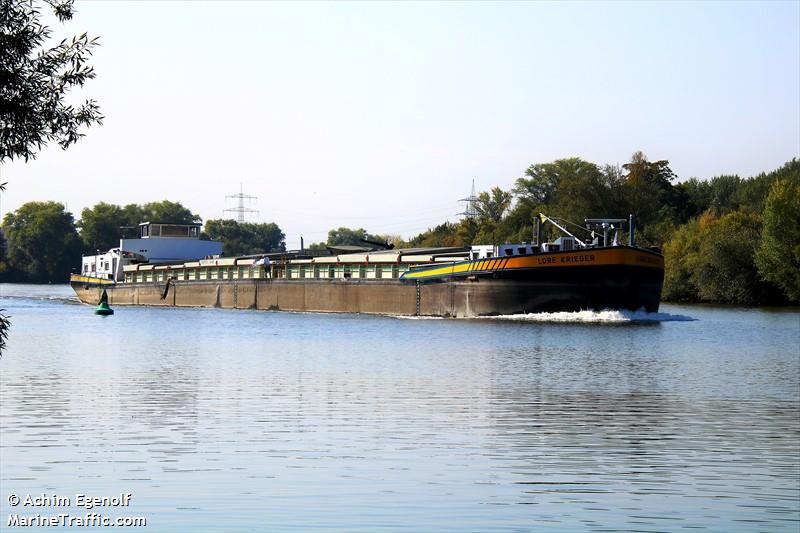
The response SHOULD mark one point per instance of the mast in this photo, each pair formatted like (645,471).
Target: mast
(562,228)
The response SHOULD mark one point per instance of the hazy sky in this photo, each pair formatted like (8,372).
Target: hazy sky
(379,115)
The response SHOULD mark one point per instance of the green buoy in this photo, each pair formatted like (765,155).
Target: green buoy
(103,308)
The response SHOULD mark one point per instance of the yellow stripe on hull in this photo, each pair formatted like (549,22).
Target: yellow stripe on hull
(77,278)
(577,258)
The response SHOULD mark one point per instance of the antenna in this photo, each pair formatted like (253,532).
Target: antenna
(240,209)
(470,211)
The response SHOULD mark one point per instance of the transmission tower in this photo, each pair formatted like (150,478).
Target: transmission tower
(470,211)
(240,209)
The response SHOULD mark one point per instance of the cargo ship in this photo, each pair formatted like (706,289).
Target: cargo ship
(169,266)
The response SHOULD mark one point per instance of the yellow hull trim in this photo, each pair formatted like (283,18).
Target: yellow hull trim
(77,278)
(577,258)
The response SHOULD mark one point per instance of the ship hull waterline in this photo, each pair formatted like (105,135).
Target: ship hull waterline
(500,293)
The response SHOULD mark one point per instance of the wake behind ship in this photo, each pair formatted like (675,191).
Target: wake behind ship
(568,274)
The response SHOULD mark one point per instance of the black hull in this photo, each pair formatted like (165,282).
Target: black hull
(499,293)
(577,288)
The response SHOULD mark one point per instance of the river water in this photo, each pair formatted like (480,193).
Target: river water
(220,420)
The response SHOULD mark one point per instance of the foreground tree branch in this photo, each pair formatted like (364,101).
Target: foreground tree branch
(35,81)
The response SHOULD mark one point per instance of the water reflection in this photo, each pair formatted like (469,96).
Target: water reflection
(645,450)
(226,420)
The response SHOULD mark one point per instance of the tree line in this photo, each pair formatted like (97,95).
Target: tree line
(726,240)
(41,242)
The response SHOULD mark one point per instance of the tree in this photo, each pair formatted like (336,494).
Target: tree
(753,192)
(493,205)
(100,226)
(680,257)
(697,194)
(724,269)
(396,240)
(3,246)
(132,215)
(445,234)
(35,81)
(584,192)
(723,191)
(317,246)
(569,188)
(518,223)
(647,184)
(466,232)
(650,195)
(540,185)
(711,259)
(778,255)
(165,212)
(348,236)
(43,244)
(245,238)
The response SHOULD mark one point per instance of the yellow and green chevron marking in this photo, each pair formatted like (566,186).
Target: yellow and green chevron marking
(463,268)
(579,258)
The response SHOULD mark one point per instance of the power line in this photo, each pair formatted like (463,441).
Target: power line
(444,210)
(240,209)
(471,211)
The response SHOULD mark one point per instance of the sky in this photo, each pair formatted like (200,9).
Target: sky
(380,114)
